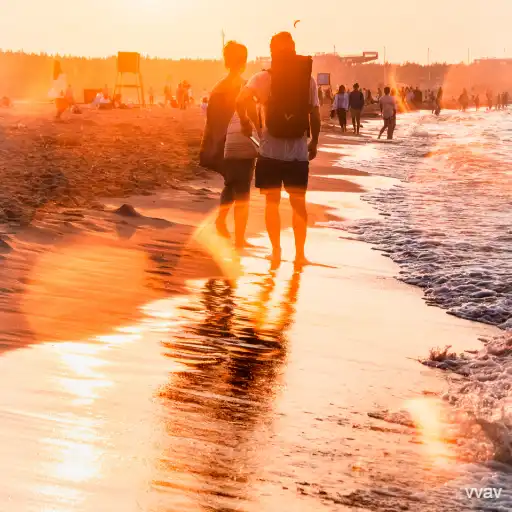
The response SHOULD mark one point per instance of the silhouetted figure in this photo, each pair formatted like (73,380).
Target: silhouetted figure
(340,106)
(289,95)
(489,100)
(356,105)
(239,151)
(464,100)
(439,101)
(476,99)
(388,109)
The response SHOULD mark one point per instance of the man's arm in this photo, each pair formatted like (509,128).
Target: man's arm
(315,123)
(246,110)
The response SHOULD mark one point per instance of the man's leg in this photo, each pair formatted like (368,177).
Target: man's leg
(391,127)
(358,118)
(242,191)
(273,221)
(300,223)
(227,198)
(340,118)
(296,179)
(269,180)
(353,116)
(382,130)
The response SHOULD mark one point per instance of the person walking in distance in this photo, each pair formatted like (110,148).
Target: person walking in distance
(340,106)
(289,96)
(439,101)
(489,100)
(151,96)
(356,105)
(388,109)
(476,99)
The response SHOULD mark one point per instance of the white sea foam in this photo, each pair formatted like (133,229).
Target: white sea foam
(449,227)
(449,224)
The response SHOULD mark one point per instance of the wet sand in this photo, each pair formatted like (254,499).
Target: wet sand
(137,377)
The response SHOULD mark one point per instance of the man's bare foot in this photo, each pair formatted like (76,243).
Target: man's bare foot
(275,256)
(301,261)
(222,229)
(244,244)
(275,259)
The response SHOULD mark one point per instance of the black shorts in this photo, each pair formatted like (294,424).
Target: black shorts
(273,174)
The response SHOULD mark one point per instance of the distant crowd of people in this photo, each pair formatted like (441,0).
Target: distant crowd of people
(353,103)
(499,102)
(183,98)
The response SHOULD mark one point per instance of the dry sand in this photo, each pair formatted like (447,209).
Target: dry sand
(108,423)
(46,163)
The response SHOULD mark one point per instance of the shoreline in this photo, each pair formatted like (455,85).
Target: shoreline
(327,437)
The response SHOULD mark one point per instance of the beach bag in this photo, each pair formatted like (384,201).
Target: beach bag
(288,107)
(220,111)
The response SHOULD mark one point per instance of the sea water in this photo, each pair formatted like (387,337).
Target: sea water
(447,222)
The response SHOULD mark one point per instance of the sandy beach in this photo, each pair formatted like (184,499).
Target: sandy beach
(146,367)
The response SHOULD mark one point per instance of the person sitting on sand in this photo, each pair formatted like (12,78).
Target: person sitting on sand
(388,109)
(284,153)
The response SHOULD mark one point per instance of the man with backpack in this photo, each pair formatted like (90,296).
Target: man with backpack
(356,104)
(289,96)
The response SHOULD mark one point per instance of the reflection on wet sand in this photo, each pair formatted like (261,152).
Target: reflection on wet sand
(218,408)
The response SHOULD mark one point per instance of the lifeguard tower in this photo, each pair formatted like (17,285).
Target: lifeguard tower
(128,63)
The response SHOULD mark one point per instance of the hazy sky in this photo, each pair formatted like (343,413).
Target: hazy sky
(192,28)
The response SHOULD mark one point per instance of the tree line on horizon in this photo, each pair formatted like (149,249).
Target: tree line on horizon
(28,76)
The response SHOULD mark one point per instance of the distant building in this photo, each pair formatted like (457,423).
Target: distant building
(352,59)
(493,61)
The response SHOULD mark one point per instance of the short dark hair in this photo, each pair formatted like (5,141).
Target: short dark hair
(356,86)
(387,90)
(282,43)
(235,55)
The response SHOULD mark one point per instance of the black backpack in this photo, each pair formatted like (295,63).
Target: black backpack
(288,107)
